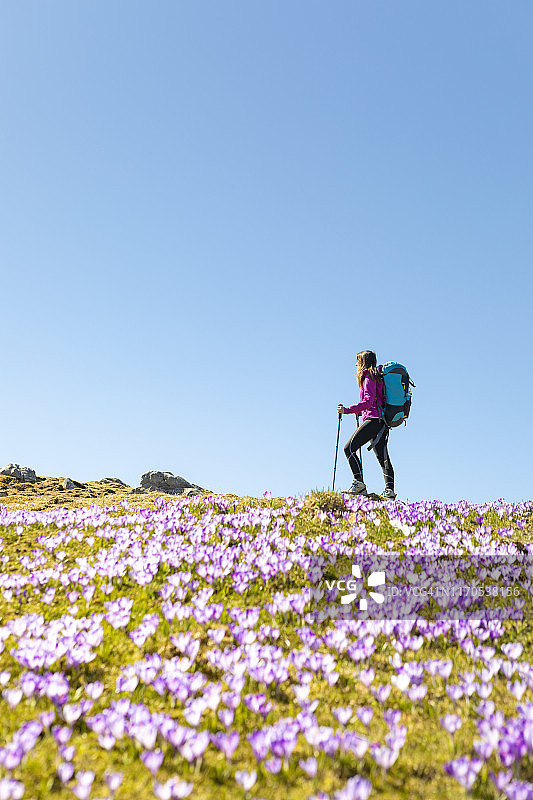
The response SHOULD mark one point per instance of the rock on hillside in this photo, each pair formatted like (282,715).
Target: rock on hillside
(24,474)
(21,483)
(61,489)
(155,481)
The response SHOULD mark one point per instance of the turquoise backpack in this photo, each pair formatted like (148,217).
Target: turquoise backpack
(397,394)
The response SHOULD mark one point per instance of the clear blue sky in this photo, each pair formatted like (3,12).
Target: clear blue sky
(208,208)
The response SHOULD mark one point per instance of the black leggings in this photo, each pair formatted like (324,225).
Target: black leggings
(364,434)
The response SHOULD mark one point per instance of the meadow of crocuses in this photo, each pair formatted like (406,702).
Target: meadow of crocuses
(169,652)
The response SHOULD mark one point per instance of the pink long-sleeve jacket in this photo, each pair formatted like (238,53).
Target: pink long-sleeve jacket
(371,403)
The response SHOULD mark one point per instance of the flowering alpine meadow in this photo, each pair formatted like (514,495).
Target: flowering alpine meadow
(170,652)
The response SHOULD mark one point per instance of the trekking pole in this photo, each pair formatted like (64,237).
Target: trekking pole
(336,451)
(360,452)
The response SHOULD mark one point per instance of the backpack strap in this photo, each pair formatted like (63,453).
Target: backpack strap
(373,443)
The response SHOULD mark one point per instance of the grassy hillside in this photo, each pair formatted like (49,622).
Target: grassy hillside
(162,648)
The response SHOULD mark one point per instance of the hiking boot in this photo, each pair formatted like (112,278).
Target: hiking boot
(389,494)
(357,487)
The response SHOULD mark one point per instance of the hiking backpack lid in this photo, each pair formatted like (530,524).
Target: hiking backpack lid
(397,394)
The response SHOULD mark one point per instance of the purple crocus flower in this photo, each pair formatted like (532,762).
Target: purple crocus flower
(5,675)
(193,712)
(356,744)
(126,683)
(88,593)
(84,782)
(94,690)
(451,723)
(454,692)
(216,634)
(519,790)
(246,779)
(118,612)
(517,689)
(283,745)
(113,780)
(145,733)
(228,743)
(483,748)
(180,788)
(501,779)
(226,716)
(173,789)
(301,693)
(384,756)
(152,759)
(392,716)
(106,741)
(61,734)
(260,743)
(508,668)
(366,676)
(31,684)
(343,714)
(273,765)
(484,690)
(10,788)
(71,712)
(416,693)
(67,752)
(513,650)
(356,788)
(11,756)
(365,714)
(12,697)
(309,766)
(177,735)
(231,699)
(486,708)
(47,718)
(258,704)
(401,681)
(163,791)
(464,770)
(194,747)
(381,692)
(57,687)
(65,771)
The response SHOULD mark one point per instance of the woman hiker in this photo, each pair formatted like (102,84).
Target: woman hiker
(370,407)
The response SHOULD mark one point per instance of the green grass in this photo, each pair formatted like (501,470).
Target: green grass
(418,772)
